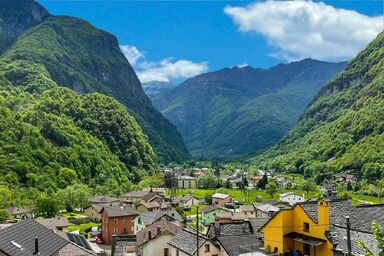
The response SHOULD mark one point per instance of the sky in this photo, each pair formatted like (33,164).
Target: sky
(174,40)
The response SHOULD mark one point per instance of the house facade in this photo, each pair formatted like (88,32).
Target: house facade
(221,199)
(186,182)
(210,212)
(291,198)
(119,220)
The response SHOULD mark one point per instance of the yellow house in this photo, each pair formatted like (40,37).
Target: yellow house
(294,230)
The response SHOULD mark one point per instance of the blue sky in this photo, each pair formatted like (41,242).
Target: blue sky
(172,40)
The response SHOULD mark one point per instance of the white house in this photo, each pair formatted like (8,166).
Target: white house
(291,198)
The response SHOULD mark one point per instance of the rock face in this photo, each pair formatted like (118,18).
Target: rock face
(17,16)
(342,128)
(237,111)
(155,87)
(81,57)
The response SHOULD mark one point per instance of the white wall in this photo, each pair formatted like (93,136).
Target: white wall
(157,245)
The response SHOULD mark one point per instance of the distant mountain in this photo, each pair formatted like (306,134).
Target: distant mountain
(85,59)
(155,87)
(237,111)
(343,127)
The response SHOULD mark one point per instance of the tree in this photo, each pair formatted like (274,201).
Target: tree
(208,181)
(47,206)
(4,215)
(308,185)
(378,234)
(380,189)
(272,187)
(263,182)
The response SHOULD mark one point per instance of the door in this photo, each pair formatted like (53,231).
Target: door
(306,249)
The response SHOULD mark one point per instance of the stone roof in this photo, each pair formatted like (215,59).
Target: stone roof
(211,208)
(232,215)
(239,245)
(185,177)
(149,196)
(185,241)
(155,190)
(52,223)
(267,208)
(247,208)
(157,228)
(151,205)
(184,198)
(150,217)
(19,239)
(16,210)
(135,194)
(102,199)
(220,196)
(117,211)
(258,223)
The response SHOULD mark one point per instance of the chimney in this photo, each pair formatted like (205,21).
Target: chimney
(36,246)
(323,213)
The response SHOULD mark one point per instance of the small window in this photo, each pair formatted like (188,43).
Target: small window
(177,253)
(207,249)
(115,231)
(306,226)
(115,221)
(166,252)
(124,220)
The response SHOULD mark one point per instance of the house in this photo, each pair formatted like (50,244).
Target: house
(159,191)
(265,210)
(19,212)
(256,224)
(248,210)
(221,199)
(209,213)
(291,198)
(187,200)
(154,239)
(234,238)
(186,182)
(29,237)
(117,220)
(59,223)
(279,204)
(231,217)
(148,218)
(139,196)
(93,211)
(184,243)
(319,228)
(149,207)
(100,199)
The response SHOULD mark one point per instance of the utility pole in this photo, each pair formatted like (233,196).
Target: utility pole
(349,246)
(197,230)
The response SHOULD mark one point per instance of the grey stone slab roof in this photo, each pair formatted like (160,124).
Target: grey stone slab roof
(185,241)
(339,238)
(102,199)
(117,211)
(211,208)
(151,205)
(17,210)
(72,250)
(135,194)
(19,239)
(52,223)
(150,217)
(156,229)
(239,244)
(258,223)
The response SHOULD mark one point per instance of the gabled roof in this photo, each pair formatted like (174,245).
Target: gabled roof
(135,194)
(157,228)
(16,210)
(185,198)
(220,196)
(150,217)
(267,208)
(247,208)
(211,208)
(52,223)
(118,211)
(102,199)
(151,205)
(185,241)
(19,239)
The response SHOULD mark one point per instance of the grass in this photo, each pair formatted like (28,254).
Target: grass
(358,198)
(81,227)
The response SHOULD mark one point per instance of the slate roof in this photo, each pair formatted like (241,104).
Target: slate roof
(150,217)
(185,177)
(102,199)
(239,245)
(155,190)
(117,211)
(151,205)
(52,223)
(162,226)
(211,208)
(267,208)
(258,223)
(184,198)
(135,194)
(232,215)
(220,196)
(247,208)
(16,210)
(185,241)
(19,239)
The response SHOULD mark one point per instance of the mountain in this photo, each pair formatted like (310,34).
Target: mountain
(343,127)
(155,87)
(85,59)
(237,111)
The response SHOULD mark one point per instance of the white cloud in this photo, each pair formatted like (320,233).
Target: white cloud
(131,53)
(301,29)
(164,70)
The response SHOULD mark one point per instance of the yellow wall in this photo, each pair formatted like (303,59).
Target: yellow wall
(292,220)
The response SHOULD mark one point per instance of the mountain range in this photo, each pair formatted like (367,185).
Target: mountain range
(236,111)
(343,127)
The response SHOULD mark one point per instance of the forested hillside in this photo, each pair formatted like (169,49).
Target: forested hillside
(343,128)
(81,57)
(236,111)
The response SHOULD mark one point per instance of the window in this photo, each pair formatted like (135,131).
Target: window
(124,231)
(166,252)
(306,226)
(177,253)
(115,220)
(115,231)
(306,249)
(207,249)
(139,221)
(124,220)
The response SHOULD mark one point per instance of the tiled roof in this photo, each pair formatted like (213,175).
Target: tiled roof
(53,223)
(19,239)
(185,241)
(102,199)
(220,196)
(161,225)
(117,211)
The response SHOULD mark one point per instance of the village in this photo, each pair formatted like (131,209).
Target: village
(184,219)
